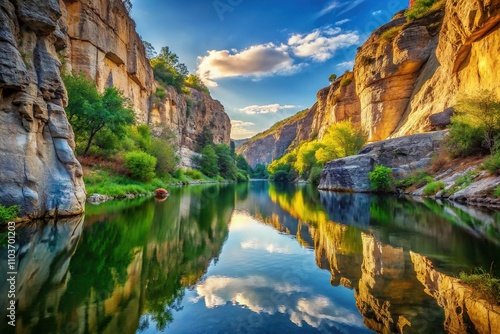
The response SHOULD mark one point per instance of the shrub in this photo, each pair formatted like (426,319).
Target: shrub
(492,164)
(242,176)
(166,158)
(208,161)
(381,178)
(9,214)
(483,282)
(194,174)
(418,179)
(389,35)
(315,175)
(141,165)
(433,187)
(463,139)
(345,82)
(421,8)
(280,176)
(496,192)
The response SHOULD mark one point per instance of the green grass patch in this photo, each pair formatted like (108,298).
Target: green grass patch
(462,182)
(9,214)
(433,187)
(389,35)
(485,283)
(419,178)
(423,7)
(492,164)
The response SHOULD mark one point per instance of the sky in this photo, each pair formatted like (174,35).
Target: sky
(263,60)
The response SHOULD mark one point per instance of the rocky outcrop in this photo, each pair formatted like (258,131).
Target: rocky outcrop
(187,117)
(275,142)
(38,168)
(403,155)
(407,72)
(102,43)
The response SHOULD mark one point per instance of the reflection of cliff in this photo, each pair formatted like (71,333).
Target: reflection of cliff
(464,311)
(44,254)
(368,250)
(132,261)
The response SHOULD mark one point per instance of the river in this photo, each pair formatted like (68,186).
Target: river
(255,258)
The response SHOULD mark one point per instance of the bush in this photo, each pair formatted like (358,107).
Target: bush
(9,214)
(418,179)
(492,164)
(433,187)
(166,158)
(483,282)
(496,192)
(421,8)
(345,82)
(381,178)
(194,174)
(208,161)
(242,176)
(280,176)
(141,165)
(315,175)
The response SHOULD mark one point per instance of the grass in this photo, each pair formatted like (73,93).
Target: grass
(419,178)
(423,7)
(433,187)
(462,182)
(389,35)
(485,283)
(492,164)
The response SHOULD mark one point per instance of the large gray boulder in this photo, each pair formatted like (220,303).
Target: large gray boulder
(403,155)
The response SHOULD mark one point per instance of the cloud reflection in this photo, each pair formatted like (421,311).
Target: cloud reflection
(265,295)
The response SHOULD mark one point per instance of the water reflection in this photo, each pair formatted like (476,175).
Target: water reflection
(256,258)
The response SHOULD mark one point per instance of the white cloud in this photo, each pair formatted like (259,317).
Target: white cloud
(268,247)
(258,60)
(341,22)
(353,4)
(265,109)
(321,44)
(261,294)
(337,4)
(328,8)
(377,12)
(239,129)
(346,64)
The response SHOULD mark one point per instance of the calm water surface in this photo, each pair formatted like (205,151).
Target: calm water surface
(255,258)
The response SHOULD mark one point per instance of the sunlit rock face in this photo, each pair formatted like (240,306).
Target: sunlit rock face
(464,311)
(38,169)
(404,155)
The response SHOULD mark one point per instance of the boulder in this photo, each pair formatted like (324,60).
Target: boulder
(441,120)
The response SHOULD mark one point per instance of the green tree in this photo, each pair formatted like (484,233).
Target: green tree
(89,112)
(260,172)
(168,70)
(205,137)
(195,82)
(166,158)
(208,162)
(332,77)
(227,165)
(242,164)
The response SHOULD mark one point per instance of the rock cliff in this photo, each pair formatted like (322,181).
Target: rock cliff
(102,43)
(406,72)
(38,169)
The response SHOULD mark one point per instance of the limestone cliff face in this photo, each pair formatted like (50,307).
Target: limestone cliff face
(408,71)
(38,169)
(275,142)
(187,116)
(102,43)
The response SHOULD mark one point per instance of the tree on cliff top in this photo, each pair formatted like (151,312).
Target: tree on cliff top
(168,70)
(90,112)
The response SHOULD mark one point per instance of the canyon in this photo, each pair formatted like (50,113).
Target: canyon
(405,76)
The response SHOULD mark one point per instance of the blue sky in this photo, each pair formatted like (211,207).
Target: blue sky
(264,60)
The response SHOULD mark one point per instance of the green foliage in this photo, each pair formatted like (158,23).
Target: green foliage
(332,77)
(496,192)
(9,214)
(141,165)
(205,138)
(418,179)
(315,175)
(381,178)
(227,165)
(421,8)
(389,34)
(242,176)
(89,112)
(345,82)
(195,82)
(433,187)
(492,164)
(280,176)
(194,174)
(166,158)
(260,172)
(242,164)
(476,124)
(208,162)
(483,282)
(462,182)
(168,70)
(159,95)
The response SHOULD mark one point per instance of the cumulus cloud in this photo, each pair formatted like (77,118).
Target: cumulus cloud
(258,60)
(239,129)
(265,109)
(262,294)
(321,44)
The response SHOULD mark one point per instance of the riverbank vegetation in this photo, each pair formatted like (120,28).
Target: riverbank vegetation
(484,283)
(8,214)
(120,158)
(308,159)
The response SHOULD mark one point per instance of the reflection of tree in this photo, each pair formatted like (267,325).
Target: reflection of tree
(184,239)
